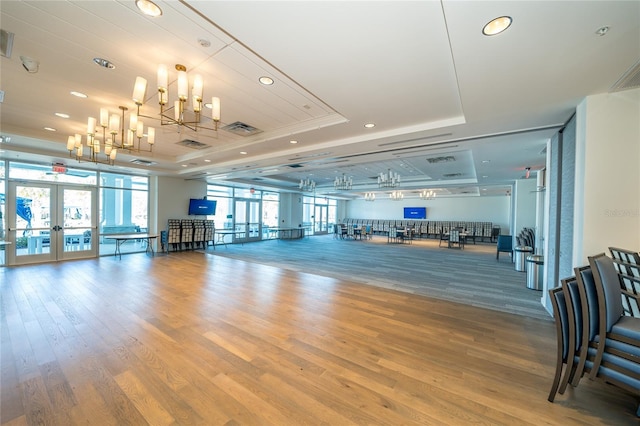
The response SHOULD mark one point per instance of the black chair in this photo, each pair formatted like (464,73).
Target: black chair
(561,315)
(455,239)
(504,245)
(443,237)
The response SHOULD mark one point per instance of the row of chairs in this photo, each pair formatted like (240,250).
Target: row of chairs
(429,228)
(188,234)
(597,324)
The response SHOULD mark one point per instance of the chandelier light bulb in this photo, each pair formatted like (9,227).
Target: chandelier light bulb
(139,90)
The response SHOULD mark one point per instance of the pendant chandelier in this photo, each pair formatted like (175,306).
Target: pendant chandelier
(307,185)
(389,179)
(115,136)
(396,195)
(427,195)
(343,184)
(369,196)
(181,116)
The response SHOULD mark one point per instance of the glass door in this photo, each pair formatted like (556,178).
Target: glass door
(320,219)
(49,222)
(247,220)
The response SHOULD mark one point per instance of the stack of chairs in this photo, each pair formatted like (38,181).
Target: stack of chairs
(209,231)
(186,234)
(173,236)
(596,336)
(198,233)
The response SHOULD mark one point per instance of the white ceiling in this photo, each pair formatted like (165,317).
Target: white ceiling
(420,70)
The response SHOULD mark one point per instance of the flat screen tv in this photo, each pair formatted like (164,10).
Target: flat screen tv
(415,212)
(202,207)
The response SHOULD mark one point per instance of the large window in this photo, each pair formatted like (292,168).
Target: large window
(223,195)
(124,203)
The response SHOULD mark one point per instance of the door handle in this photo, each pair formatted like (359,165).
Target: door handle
(57,228)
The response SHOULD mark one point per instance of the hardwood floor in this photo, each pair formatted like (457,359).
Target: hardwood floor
(189,338)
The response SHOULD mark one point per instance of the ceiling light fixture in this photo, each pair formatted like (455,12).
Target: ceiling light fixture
(369,125)
(78,94)
(149,8)
(369,196)
(388,180)
(307,185)
(116,125)
(396,196)
(343,183)
(61,115)
(497,25)
(50,129)
(427,195)
(182,116)
(264,80)
(104,63)
(602,31)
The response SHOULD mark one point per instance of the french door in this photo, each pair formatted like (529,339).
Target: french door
(247,220)
(320,219)
(50,222)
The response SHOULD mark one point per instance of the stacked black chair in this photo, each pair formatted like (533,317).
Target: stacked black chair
(173,237)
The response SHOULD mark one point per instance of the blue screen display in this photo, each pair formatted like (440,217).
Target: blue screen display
(202,207)
(415,212)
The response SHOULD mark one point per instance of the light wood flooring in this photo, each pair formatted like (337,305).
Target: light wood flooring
(189,338)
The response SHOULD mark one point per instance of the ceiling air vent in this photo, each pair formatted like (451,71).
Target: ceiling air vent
(142,162)
(241,129)
(444,159)
(189,143)
(450,175)
(629,80)
(295,166)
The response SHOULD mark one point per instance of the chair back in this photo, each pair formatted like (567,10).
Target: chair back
(588,300)
(608,288)
(505,243)
(454,236)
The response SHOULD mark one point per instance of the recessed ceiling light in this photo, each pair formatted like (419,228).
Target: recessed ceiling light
(104,63)
(485,161)
(370,125)
(294,142)
(485,176)
(497,25)
(243,152)
(207,161)
(62,115)
(184,165)
(50,129)
(267,81)
(79,94)
(602,31)
(149,8)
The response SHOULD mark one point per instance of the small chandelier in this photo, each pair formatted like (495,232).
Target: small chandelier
(343,184)
(307,185)
(389,179)
(427,195)
(369,196)
(396,195)
(180,115)
(114,124)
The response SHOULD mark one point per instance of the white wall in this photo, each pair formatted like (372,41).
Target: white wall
(173,198)
(474,209)
(607,182)
(290,210)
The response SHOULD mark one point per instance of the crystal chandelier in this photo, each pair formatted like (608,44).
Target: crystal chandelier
(427,195)
(396,195)
(182,116)
(369,196)
(343,184)
(115,136)
(389,179)
(307,185)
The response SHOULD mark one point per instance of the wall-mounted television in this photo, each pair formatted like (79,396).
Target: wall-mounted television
(202,207)
(415,212)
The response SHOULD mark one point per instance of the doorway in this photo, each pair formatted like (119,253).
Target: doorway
(321,219)
(50,222)
(247,220)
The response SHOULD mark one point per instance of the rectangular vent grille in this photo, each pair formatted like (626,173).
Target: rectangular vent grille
(241,129)
(295,166)
(189,143)
(142,162)
(444,159)
(450,175)
(629,80)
